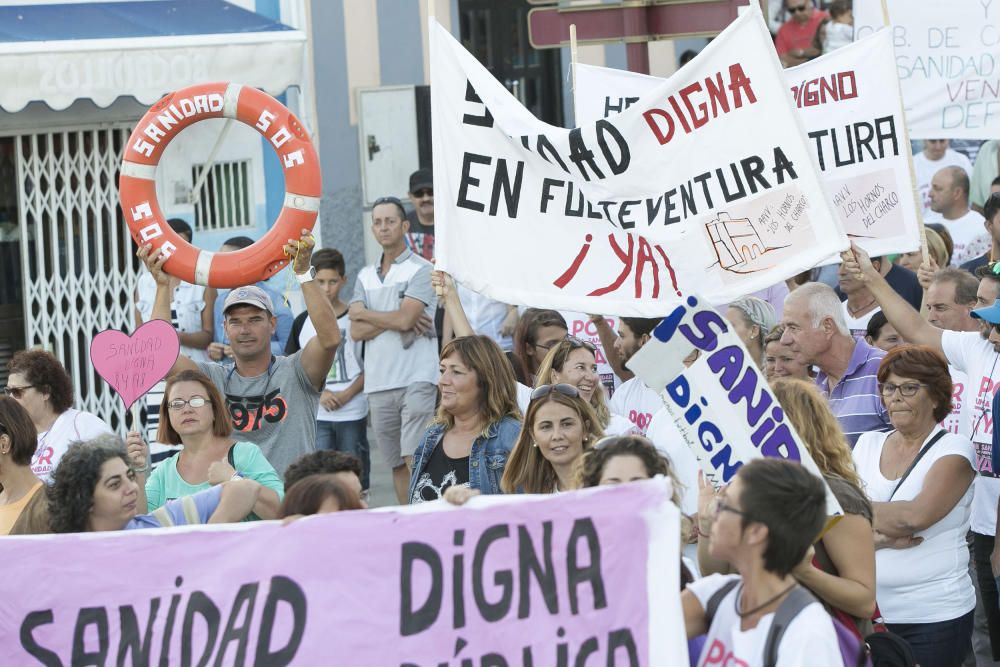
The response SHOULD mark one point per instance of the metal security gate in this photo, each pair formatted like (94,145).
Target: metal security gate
(78,263)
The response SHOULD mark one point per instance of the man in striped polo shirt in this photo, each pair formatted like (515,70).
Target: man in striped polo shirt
(817,333)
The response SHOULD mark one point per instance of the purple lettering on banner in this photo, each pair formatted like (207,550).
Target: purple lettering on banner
(501,580)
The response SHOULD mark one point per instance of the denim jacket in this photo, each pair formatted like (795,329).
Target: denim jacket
(486,461)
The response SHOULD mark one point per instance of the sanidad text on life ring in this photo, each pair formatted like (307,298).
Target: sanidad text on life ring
(137,185)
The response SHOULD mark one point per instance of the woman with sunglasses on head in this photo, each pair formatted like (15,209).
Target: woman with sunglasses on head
(559,426)
(43,388)
(919,478)
(193,415)
(476,424)
(95,489)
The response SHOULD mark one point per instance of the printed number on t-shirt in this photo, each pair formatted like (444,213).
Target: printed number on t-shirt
(640,419)
(248,412)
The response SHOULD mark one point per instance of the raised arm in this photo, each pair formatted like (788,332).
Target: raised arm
(608,338)
(445,286)
(946,482)
(154,261)
(900,314)
(318,354)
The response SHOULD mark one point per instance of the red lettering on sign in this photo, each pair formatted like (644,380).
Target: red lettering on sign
(627,256)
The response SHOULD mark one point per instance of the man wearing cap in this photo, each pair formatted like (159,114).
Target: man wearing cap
(420,237)
(272,400)
(978,355)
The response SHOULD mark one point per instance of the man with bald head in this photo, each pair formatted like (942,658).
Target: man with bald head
(950,206)
(817,333)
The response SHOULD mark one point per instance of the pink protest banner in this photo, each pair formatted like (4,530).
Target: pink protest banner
(585,578)
(134,364)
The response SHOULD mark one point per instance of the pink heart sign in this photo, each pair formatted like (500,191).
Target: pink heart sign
(134,364)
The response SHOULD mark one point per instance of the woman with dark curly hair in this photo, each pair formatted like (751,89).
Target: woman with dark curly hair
(919,478)
(18,485)
(41,385)
(320,494)
(94,489)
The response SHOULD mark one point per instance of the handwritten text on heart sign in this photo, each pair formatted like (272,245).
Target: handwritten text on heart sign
(134,364)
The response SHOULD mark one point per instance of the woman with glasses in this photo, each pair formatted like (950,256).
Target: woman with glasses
(919,478)
(40,384)
(193,414)
(19,488)
(559,426)
(537,332)
(476,424)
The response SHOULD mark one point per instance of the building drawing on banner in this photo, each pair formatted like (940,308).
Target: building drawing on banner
(738,246)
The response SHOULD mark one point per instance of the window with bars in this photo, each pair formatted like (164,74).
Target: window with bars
(224,199)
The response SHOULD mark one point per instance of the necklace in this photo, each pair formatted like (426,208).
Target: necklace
(744,614)
(854,311)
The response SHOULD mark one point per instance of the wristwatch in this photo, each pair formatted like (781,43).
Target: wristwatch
(306,277)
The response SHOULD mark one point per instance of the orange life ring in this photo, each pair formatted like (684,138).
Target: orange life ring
(137,187)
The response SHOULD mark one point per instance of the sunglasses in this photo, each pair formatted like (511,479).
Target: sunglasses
(423,192)
(16,392)
(546,389)
(800,8)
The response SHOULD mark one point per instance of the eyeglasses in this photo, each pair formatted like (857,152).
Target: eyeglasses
(423,192)
(546,389)
(16,392)
(194,402)
(576,343)
(796,10)
(907,390)
(721,507)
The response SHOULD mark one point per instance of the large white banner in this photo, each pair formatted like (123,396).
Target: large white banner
(850,107)
(948,61)
(721,404)
(706,182)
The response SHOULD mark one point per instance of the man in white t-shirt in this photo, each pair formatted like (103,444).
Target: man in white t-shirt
(633,399)
(935,156)
(765,522)
(950,207)
(976,355)
(951,296)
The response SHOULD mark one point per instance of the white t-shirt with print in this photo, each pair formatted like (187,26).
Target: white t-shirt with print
(343,372)
(968,234)
(637,403)
(930,582)
(970,353)
(858,325)
(70,427)
(810,639)
(958,421)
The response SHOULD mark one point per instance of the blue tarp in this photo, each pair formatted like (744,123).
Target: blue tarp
(111,20)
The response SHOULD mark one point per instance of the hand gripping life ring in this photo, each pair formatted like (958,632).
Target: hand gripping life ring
(137,187)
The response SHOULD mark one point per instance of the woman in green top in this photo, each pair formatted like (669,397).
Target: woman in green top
(193,414)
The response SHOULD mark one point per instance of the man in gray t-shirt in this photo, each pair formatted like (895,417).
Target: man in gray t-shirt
(271,400)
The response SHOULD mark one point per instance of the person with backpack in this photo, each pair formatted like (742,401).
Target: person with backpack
(766,520)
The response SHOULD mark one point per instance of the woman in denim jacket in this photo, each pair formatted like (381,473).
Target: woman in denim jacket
(476,425)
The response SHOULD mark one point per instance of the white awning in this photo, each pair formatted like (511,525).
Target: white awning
(139,60)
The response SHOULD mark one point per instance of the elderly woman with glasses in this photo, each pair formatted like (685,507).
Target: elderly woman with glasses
(476,424)
(193,414)
(919,478)
(40,384)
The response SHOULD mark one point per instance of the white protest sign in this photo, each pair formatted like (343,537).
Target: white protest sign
(853,115)
(948,63)
(722,404)
(705,183)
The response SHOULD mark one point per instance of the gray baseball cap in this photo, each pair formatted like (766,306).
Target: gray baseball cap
(251,295)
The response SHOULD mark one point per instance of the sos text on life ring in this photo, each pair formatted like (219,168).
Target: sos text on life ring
(137,185)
